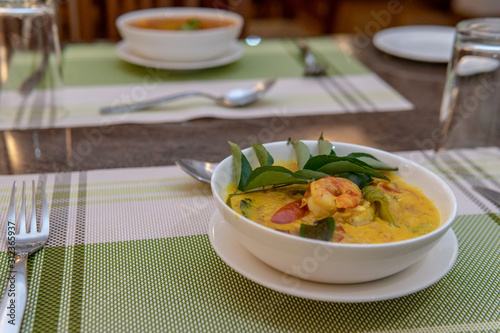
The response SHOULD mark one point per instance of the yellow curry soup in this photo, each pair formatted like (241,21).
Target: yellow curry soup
(182,23)
(357,220)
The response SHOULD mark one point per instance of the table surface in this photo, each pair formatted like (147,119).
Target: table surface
(138,145)
(123,200)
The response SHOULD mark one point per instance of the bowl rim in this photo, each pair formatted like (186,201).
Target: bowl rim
(122,20)
(445,225)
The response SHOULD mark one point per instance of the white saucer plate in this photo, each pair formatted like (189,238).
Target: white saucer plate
(421,275)
(125,53)
(428,43)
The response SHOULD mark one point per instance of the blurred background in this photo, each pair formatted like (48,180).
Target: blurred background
(94,20)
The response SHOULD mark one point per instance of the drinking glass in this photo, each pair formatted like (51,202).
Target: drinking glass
(30,64)
(470,109)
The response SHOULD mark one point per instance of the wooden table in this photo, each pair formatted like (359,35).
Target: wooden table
(135,145)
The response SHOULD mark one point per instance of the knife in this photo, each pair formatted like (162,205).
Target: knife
(492,195)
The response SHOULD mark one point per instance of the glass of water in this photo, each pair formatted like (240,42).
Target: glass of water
(470,109)
(30,65)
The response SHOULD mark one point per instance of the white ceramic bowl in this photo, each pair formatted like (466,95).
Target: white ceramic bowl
(335,262)
(180,45)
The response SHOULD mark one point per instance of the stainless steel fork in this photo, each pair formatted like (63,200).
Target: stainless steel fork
(314,66)
(19,247)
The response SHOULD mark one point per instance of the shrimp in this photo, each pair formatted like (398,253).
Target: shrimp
(327,195)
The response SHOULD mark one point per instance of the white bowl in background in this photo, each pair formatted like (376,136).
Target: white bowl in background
(335,262)
(180,45)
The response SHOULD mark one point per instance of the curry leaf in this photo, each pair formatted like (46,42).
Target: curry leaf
(357,167)
(246,170)
(241,166)
(321,229)
(374,195)
(272,175)
(311,174)
(255,173)
(335,168)
(316,162)
(360,179)
(302,152)
(236,152)
(262,154)
(246,206)
(325,147)
(372,161)
(334,165)
(273,178)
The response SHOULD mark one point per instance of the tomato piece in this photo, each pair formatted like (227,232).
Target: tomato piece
(339,233)
(289,212)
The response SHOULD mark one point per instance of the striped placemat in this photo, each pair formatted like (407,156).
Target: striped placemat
(94,76)
(129,252)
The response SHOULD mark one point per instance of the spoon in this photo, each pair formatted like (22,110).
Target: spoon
(233,98)
(199,170)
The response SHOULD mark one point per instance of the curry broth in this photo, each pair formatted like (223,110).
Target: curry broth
(177,23)
(414,214)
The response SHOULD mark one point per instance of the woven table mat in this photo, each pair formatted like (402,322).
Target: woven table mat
(129,252)
(94,77)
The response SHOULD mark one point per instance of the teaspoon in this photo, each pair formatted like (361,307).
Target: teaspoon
(199,170)
(233,98)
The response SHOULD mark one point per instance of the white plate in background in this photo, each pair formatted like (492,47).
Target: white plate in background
(428,43)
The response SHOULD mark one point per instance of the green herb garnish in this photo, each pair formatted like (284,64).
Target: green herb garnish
(325,147)
(372,161)
(262,154)
(241,166)
(301,151)
(321,229)
(191,24)
(360,168)
(246,207)
(360,179)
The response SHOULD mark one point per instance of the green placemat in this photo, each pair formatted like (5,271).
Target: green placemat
(180,284)
(98,64)
(94,76)
(129,252)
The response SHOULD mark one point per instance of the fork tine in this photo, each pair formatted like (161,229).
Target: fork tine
(11,215)
(22,220)
(33,208)
(45,213)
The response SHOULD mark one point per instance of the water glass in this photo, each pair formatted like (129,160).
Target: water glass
(470,109)
(30,64)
